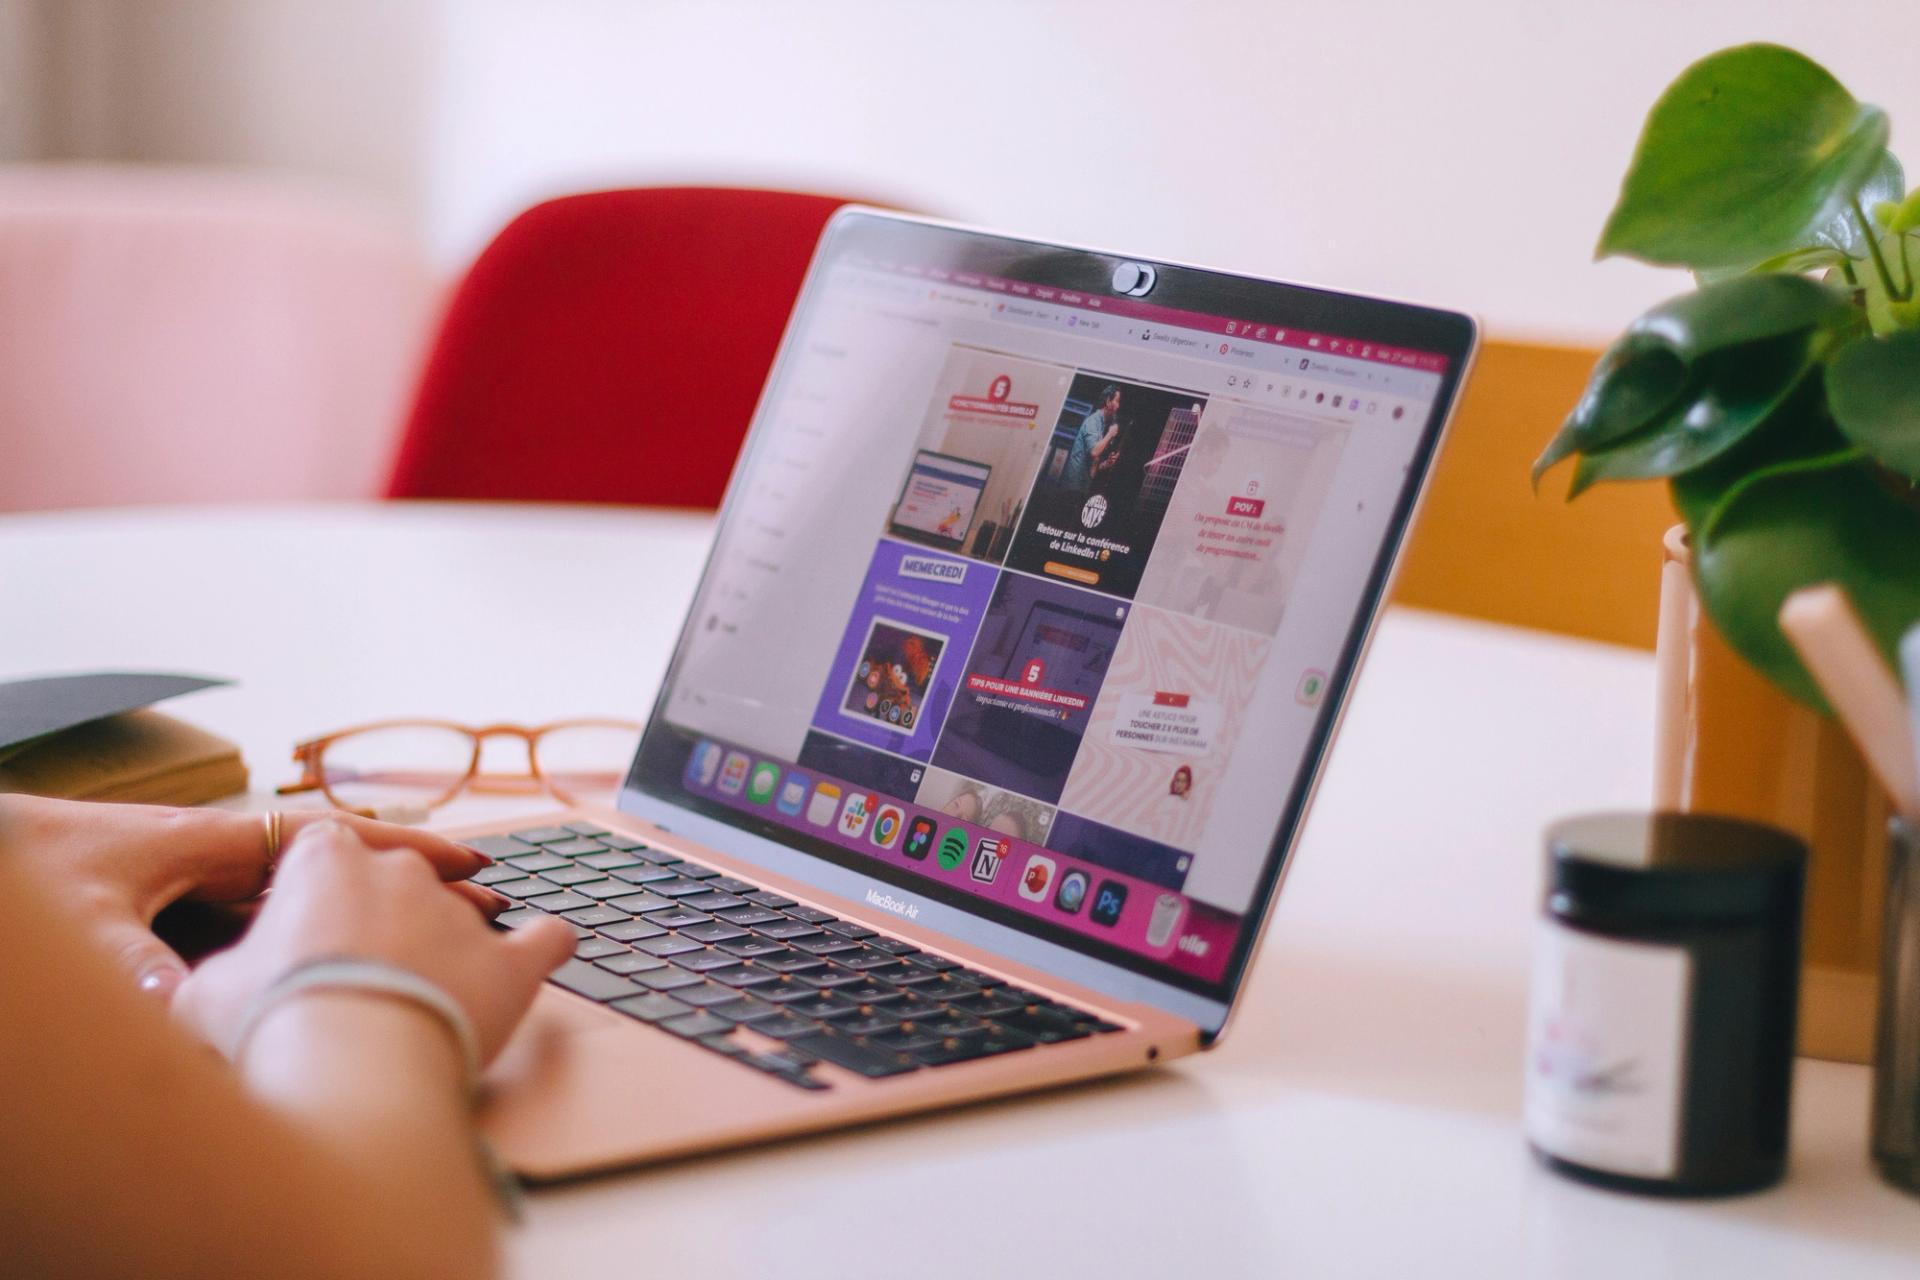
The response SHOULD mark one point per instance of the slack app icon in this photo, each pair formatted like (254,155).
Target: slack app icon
(1107,901)
(919,842)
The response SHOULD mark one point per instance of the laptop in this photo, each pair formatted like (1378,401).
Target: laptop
(1032,606)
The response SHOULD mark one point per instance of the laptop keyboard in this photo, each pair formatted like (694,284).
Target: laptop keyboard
(699,954)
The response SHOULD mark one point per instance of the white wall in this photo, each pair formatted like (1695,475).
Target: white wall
(1464,152)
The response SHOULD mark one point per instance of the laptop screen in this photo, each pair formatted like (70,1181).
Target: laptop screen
(1032,598)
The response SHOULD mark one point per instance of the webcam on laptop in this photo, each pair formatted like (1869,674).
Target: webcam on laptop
(1135,279)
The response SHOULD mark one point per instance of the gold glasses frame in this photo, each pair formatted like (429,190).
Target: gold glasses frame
(310,755)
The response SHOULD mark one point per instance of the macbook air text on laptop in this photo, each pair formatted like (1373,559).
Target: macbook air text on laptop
(1035,597)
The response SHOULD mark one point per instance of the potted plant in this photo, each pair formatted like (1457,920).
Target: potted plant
(1780,401)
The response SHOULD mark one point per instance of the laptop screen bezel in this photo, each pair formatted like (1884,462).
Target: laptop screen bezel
(652,788)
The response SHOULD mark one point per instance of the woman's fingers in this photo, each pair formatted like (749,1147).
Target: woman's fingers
(536,951)
(489,903)
(155,968)
(452,861)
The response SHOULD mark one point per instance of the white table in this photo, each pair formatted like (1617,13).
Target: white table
(1361,1119)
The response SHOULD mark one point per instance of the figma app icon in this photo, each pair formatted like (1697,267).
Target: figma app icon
(919,837)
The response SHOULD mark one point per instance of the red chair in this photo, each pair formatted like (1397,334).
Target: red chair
(609,348)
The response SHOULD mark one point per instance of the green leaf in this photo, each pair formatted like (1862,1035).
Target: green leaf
(1873,388)
(1905,216)
(1792,262)
(1744,156)
(1843,231)
(1737,390)
(1837,525)
(1885,312)
(1690,378)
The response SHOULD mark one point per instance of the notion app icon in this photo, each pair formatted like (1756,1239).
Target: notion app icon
(733,774)
(826,803)
(886,825)
(704,764)
(953,849)
(855,814)
(1168,911)
(1112,896)
(766,776)
(793,795)
(1037,879)
(987,856)
(919,837)
(1073,892)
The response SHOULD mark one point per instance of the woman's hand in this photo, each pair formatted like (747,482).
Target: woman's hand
(117,866)
(334,896)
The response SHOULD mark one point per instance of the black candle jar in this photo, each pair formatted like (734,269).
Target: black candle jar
(1666,976)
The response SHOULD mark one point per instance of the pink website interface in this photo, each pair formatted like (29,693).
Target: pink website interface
(1035,594)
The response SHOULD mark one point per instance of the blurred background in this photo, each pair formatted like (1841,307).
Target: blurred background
(1461,153)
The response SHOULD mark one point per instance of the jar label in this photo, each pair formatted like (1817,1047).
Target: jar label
(1606,1051)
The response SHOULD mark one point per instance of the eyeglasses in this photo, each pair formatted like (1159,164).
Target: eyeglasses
(393,767)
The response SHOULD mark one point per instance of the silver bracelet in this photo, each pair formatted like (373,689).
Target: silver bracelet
(344,973)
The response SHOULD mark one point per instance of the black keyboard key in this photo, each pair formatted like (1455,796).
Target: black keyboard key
(537,861)
(498,847)
(909,1037)
(785,1026)
(747,915)
(522,887)
(948,988)
(915,978)
(610,860)
(501,871)
(746,946)
(1101,1027)
(870,960)
(639,904)
(987,1004)
(695,1025)
(732,884)
(812,915)
(952,1024)
(967,1049)
(576,847)
(614,840)
(870,992)
(704,961)
(745,976)
(863,1022)
(677,888)
(677,917)
(570,875)
(586,828)
(527,915)
(544,835)
(824,945)
(643,873)
(631,931)
(724,1043)
(773,901)
(939,964)
(782,990)
(660,856)
(667,945)
(650,1008)
(787,1061)
(594,917)
(584,979)
(560,901)
(594,948)
(823,1004)
(862,1059)
(828,978)
(601,890)
(630,962)
(747,1009)
(895,947)
(1045,1025)
(667,979)
(694,871)
(910,1005)
(978,979)
(712,931)
(714,901)
(848,929)
(785,928)
(706,995)
(784,961)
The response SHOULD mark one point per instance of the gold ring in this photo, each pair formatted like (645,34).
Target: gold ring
(275,823)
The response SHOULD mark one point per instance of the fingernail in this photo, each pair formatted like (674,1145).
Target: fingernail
(485,861)
(158,982)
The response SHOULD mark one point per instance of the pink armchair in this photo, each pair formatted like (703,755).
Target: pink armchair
(180,335)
